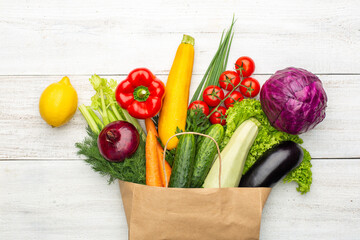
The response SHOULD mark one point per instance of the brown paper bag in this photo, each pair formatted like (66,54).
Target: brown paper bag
(156,213)
(199,213)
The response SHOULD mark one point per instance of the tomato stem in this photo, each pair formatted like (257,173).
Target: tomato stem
(215,109)
(228,82)
(214,93)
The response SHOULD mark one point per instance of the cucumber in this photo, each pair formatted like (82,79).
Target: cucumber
(233,156)
(183,162)
(205,154)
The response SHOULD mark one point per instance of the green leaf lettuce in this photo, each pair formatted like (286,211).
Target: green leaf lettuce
(267,137)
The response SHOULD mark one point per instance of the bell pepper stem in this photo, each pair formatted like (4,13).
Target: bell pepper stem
(141,93)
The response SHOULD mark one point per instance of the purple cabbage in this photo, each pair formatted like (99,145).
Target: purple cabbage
(294,100)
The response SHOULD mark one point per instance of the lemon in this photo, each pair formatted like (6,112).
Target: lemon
(58,103)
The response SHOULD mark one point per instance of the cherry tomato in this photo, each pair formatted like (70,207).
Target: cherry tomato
(213,95)
(234,97)
(246,65)
(250,87)
(228,80)
(219,116)
(200,104)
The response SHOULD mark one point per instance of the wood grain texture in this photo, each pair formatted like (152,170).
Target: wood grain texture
(24,135)
(58,200)
(74,37)
(67,200)
(46,192)
(330,211)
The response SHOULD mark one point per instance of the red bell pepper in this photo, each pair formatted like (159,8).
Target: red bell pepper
(141,93)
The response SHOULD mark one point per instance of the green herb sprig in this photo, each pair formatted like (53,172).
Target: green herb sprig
(131,170)
(102,111)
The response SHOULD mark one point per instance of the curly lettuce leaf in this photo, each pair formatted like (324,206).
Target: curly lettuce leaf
(302,174)
(267,137)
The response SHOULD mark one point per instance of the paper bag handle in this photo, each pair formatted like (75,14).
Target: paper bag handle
(195,133)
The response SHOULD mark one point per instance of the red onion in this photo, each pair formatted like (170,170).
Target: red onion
(118,141)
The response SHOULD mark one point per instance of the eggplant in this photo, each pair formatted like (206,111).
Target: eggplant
(273,165)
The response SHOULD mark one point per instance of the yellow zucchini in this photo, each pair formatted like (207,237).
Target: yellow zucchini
(174,110)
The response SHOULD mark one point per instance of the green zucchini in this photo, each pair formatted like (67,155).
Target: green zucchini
(233,156)
(183,162)
(205,154)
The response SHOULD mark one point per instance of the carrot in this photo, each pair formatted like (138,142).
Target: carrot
(167,166)
(152,161)
(150,126)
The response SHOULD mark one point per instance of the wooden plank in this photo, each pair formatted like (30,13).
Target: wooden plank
(54,37)
(58,200)
(330,211)
(66,199)
(26,136)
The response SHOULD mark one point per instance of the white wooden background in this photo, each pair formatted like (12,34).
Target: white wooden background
(47,192)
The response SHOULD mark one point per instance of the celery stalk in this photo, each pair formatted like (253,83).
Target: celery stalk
(111,115)
(96,118)
(105,116)
(89,119)
(116,111)
(134,122)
